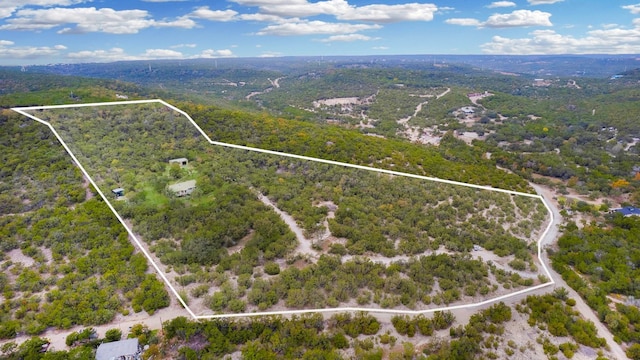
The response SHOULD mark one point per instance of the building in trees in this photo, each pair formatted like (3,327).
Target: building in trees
(128,349)
(183,188)
(118,192)
(628,211)
(180,161)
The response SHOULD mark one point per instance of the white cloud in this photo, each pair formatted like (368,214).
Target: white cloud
(634,9)
(270,54)
(380,48)
(543,2)
(183,22)
(390,13)
(9,51)
(297,8)
(161,54)
(517,18)
(90,20)
(612,41)
(9,7)
(501,4)
(349,38)
(304,27)
(211,53)
(464,22)
(342,10)
(261,17)
(118,54)
(204,12)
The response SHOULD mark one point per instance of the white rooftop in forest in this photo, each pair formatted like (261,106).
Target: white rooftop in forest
(126,349)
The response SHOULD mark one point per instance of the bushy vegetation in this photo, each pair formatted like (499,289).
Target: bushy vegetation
(335,143)
(66,259)
(33,89)
(375,215)
(598,262)
(574,134)
(35,170)
(581,136)
(553,312)
(469,340)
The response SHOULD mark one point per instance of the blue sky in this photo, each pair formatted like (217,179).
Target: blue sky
(72,31)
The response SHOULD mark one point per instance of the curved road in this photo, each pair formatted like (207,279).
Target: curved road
(581,305)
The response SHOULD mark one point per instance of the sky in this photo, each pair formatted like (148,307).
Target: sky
(80,31)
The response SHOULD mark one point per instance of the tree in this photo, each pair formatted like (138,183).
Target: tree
(112,335)
(272,268)
(633,352)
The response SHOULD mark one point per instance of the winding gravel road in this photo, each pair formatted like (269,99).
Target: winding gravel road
(581,305)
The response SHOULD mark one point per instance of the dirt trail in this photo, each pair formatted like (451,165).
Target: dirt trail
(124,323)
(581,305)
(276,82)
(404,121)
(443,93)
(304,244)
(415,133)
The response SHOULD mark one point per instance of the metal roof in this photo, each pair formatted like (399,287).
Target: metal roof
(629,210)
(183,186)
(113,350)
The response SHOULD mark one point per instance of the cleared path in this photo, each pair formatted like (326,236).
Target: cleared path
(551,237)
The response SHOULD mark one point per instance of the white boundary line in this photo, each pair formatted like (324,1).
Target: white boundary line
(23,111)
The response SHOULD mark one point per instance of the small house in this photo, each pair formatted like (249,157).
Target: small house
(180,161)
(128,349)
(628,211)
(183,188)
(467,110)
(118,193)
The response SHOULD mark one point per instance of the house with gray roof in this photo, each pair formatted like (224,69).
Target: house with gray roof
(128,349)
(183,188)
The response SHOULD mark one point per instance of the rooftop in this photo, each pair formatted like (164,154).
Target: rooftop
(629,210)
(182,186)
(116,349)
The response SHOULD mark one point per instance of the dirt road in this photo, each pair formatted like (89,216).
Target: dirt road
(581,305)
(304,245)
(124,323)
(276,82)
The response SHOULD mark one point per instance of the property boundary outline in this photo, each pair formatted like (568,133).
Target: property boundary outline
(23,111)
